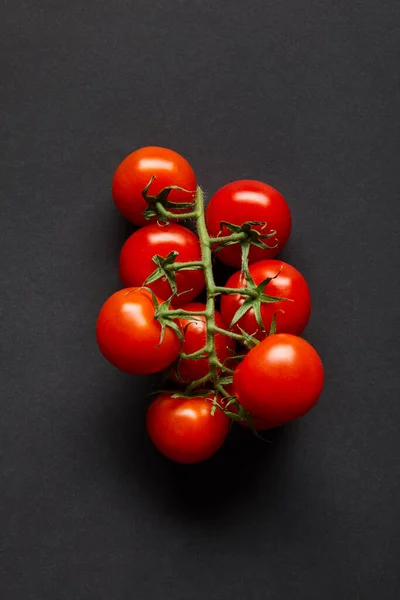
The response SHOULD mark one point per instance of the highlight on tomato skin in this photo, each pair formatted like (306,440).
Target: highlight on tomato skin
(292,315)
(136,260)
(136,170)
(128,334)
(184,429)
(286,376)
(194,338)
(249,200)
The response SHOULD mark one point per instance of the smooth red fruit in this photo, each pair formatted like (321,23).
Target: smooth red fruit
(249,200)
(136,264)
(280,379)
(259,424)
(135,172)
(184,430)
(128,334)
(195,333)
(292,315)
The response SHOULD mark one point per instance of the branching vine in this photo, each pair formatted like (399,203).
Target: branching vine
(219,376)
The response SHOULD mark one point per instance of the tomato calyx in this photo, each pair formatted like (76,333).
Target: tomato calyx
(163,271)
(256,299)
(161,312)
(159,205)
(242,234)
(225,402)
(167,267)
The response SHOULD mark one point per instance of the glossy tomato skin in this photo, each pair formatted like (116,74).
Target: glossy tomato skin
(136,264)
(280,379)
(249,200)
(259,424)
(184,430)
(135,172)
(195,332)
(128,334)
(291,315)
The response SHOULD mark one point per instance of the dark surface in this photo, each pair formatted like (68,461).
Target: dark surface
(304,95)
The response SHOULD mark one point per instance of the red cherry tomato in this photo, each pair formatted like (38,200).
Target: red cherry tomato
(136,264)
(184,430)
(248,200)
(291,315)
(195,332)
(128,334)
(259,424)
(135,172)
(280,379)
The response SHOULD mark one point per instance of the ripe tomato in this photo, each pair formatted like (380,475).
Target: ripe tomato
(184,430)
(280,379)
(135,172)
(248,200)
(136,264)
(195,332)
(128,335)
(291,315)
(259,424)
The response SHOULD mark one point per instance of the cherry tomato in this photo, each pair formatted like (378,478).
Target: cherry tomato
(249,200)
(136,264)
(195,332)
(259,424)
(184,430)
(128,334)
(280,379)
(135,172)
(291,315)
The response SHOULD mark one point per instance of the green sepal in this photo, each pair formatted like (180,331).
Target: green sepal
(257,314)
(171,323)
(161,314)
(249,340)
(225,380)
(162,198)
(255,303)
(247,305)
(272,329)
(163,271)
(252,235)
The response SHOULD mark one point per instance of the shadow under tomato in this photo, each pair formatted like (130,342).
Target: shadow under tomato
(217,487)
(228,480)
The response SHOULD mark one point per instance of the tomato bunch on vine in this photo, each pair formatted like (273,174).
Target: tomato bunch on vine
(235,357)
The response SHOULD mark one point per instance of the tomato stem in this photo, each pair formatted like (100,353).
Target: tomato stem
(180,313)
(185,266)
(168,215)
(210,288)
(219,374)
(241,291)
(235,336)
(234,237)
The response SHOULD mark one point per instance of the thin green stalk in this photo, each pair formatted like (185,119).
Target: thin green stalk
(235,336)
(234,237)
(184,314)
(231,291)
(186,266)
(168,215)
(210,287)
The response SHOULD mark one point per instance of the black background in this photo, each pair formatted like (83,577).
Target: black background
(304,95)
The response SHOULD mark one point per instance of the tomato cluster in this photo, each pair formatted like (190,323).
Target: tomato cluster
(243,363)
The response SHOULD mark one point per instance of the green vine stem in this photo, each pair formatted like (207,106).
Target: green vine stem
(219,374)
(213,378)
